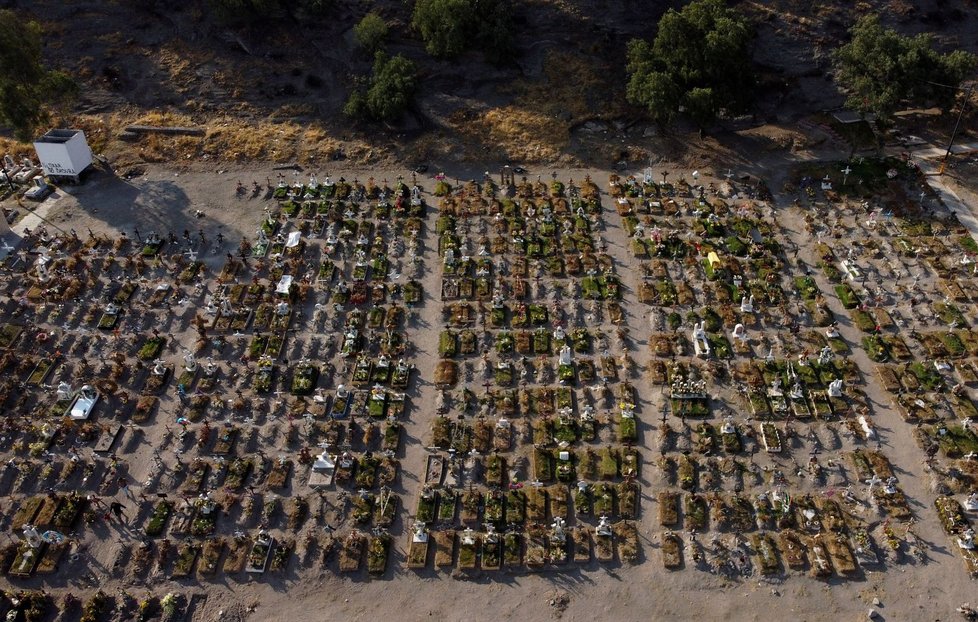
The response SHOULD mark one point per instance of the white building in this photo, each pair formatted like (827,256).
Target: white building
(63,153)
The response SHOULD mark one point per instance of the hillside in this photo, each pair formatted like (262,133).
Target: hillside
(276,93)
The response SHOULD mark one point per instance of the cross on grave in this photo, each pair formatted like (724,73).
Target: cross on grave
(845,174)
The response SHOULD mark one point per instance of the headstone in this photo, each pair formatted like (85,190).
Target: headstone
(835,388)
(64,392)
(32,536)
(190,362)
(825,356)
(890,486)
(967,540)
(565,355)
(796,392)
(700,343)
(971,503)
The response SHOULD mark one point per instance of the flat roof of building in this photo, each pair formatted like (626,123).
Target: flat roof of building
(57,136)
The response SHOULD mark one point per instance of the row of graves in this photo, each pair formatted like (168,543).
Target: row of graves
(75,377)
(768,455)
(353,406)
(282,416)
(532,461)
(908,283)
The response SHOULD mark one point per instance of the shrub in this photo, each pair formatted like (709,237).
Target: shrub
(371,32)
(450,27)
(388,92)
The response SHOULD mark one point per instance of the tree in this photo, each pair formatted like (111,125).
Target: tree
(387,93)
(495,30)
(699,63)
(881,70)
(371,32)
(450,27)
(26,87)
(445,25)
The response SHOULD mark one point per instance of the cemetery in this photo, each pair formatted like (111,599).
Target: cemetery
(504,376)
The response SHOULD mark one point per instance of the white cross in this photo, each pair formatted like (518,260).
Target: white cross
(845,173)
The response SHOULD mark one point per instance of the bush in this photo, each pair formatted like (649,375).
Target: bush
(450,27)
(388,92)
(444,25)
(371,32)
(700,62)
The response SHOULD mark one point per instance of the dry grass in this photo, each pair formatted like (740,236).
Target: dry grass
(524,135)
(535,127)
(226,139)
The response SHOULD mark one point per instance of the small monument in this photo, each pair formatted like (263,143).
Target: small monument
(565,355)
(796,392)
(33,536)
(740,333)
(64,392)
(728,426)
(700,343)
(967,540)
(189,360)
(491,536)
(835,388)
(557,530)
(971,503)
(604,527)
(747,304)
(420,533)
(825,356)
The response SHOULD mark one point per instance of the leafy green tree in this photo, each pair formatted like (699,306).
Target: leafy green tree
(494,34)
(371,32)
(699,63)
(445,25)
(882,70)
(388,92)
(26,87)
(451,27)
